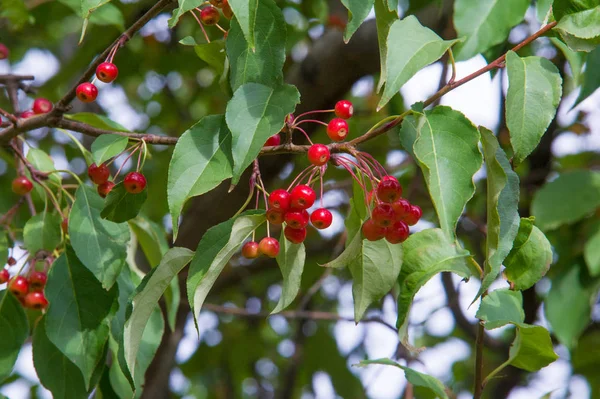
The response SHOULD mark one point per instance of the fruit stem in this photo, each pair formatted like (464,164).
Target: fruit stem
(201,26)
(125,161)
(305,134)
(308,121)
(318,111)
(301,174)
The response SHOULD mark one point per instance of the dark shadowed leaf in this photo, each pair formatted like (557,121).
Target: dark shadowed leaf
(42,231)
(501,307)
(121,206)
(107,146)
(291,259)
(15,330)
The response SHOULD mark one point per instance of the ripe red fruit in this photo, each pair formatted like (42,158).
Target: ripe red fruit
(389,177)
(303,197)
(371,231)
(414,215)
(105,188)
(295,236)
(297,219)
(269,246)
(396,233)
(227,11)
(11,261)
(321,218)
(22,185)
(27,114)
(318,154)
(107,72)
(389,190)
(42,106)
(280,199)
(250,250)
(98,174)
(344,109)
(216,3)
(275,216)
(209,15)
(383,215)
(273,140)
(36,300)
(4,52)
(4,276)
(37,280)
(19,286)
(337,129)
(86,92)
(134,182)
(401,208)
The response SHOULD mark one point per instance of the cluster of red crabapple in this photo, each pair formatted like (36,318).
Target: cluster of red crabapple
(28,290)
(390,214)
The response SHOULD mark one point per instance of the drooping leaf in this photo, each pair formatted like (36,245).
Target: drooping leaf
(121,206)
(184,6)
(384,19)
(583,24)
(42,231)
(56,372)
(96,120)
(485,23)
(414,377)
(554,204)
(591,253)
(568,305)
(410,48)
(213,54)
(591,76)
(576,61)
(561,8)
(502,207)
(358,10)
(264,63)
(374,273)
(245,14)
(255,113)
(107,146)
(291,260)
(151,238)
(146,299)
(426,254)
(200,162)
(501,307)
(42,162)
(446,148)
(108,14)
(214,251)
(530,257)
(15,330)
(101,245)
(351,252)
(534,92)
(78,314)
(126,287)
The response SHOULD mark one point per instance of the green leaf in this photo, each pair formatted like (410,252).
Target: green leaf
(56,372)
(146,299)
(542,8)
(485,23)
(291,260)
(151,237)
(532,348)
(16,12)
(126,287)
(384,19)
(184,6)
(245,14)
(121,206)
(502,207)
(576,61)
(591,76)
(414,377)
(350,253)
(591,253)
(200,162)
(107,146)
(565,7)
(501,307)
(530,257)
(15,330)
(96,120)
(392,5)
(554,204)
(426,254)
(568,306)
(411,47)
(358,10)
(213,54)
(214,251)
(88,6)
(264,63)
(446,148)
(100,244)
(584,24)
(255,113)
(42,231)
(534,92)
(78,314)
(108,14)
(3,246)
(42,162)
(374,273)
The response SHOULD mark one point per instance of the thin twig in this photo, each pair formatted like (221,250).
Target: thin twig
(478,387)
